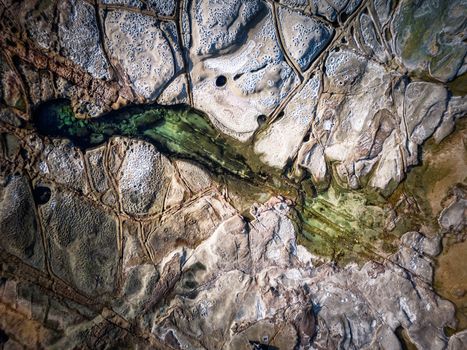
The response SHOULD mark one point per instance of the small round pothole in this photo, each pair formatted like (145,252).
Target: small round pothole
(261,119)
(41,194)
(221,80)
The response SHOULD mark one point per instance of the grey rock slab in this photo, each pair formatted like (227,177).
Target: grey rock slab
(187,226)
(64,164)
(373,43)
(311,157)
(79,37)
(424,106)
(95,163)
(332,9)
(196,178)
(453,216)
(456,109)
(355,127)
(138,285)
(383,10)
(458,341)
(82,243)
(254,280)
(163,7)
(175,93)
(295,4)
(219,25)
(19,229)
(430,246)
(234,280)
(130,3)
(304,37)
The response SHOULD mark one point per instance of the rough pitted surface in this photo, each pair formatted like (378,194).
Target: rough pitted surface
(77,31)
(144,50)
(305,38)
(342,228)
(257,74)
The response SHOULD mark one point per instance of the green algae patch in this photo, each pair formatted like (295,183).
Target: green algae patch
(176,131)
(458,86)
(345,225)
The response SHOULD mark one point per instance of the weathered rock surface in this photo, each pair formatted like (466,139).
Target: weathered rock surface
(146,50)
(81,242)
(254,280)
(78,30)
(290,128)
(333,104)
(22,236)
(304,37)
(251,78)
(418,29)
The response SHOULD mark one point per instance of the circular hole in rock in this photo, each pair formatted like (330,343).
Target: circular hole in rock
(3,337)
(221,81)
(41,194)
(261,119)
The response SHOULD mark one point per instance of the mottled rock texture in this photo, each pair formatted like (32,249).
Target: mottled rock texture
(350,234)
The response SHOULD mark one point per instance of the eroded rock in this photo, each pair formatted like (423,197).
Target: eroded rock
(304,37)
(254,280)
(145,49)
(20,231)
(249,80)
(82,243)
(79,37)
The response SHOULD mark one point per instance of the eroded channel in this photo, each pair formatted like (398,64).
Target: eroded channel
(345,225)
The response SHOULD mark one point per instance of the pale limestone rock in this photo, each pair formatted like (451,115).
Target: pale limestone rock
(304,37)
(373,43)
(163,7)
(456,109)
(65,165)
(175,93)
(196,178)
(311,157)
(144,48)
(95,163)
(247,82)
(331,9)
(354,126)
(458,341)
(82,243)
(250,279)
(129,3)
(281,141)
(79,37)
(453,217)
(187,226)
(143,178)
